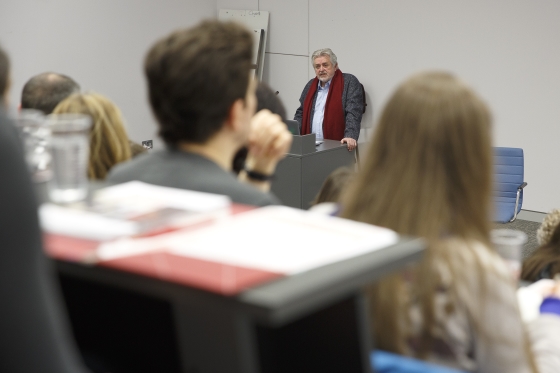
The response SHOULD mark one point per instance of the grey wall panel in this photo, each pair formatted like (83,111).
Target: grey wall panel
(506,49)
(101,44)
(288,75)
(288,26)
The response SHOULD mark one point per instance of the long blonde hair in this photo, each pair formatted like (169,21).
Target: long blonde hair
(428,174)
(109,143)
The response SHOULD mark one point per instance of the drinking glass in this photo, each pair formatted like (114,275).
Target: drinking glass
(509,245)
(69,147)
(35,135)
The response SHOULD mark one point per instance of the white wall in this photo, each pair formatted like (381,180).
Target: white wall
(286,58)
(99,43)
(506,49)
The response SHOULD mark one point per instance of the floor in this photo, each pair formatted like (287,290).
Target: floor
(530,229)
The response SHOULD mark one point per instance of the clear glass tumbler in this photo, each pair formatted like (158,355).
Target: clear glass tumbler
(69,147)
(35,135)
(509,245)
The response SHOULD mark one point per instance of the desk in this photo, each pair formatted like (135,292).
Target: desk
(314,321)
(299,177)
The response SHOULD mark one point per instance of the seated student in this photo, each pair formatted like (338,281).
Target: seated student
(458,306)
(545,261)
(109,142)
(266,99)
(45,91)
(547,227)
(327,201)
(334,185)
(34,335)
(203,96)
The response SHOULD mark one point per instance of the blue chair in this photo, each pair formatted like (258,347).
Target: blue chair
(386,362)
(508,183)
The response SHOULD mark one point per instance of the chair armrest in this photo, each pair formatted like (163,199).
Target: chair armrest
(519,190)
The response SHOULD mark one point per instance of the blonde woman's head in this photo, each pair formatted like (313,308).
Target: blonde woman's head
(428,172)
(109,142)
(548,225)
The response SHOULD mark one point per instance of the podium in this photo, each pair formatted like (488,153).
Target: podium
(300,175)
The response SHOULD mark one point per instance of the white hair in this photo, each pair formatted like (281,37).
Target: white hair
(324,52)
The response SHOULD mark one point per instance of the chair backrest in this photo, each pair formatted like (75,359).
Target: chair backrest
(386,362)
(508,176)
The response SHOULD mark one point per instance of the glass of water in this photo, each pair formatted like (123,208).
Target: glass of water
(35,135)
(69,147)
(509,245)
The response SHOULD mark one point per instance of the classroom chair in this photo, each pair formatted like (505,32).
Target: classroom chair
(508,183)
(386,362)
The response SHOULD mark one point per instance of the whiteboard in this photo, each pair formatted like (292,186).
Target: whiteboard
(257,22)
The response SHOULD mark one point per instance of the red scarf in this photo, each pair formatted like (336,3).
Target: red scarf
(333,120)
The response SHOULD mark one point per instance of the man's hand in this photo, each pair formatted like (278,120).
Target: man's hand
(351,143)
(269,141)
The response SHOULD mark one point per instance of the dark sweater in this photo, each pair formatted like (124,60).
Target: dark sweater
(352,105)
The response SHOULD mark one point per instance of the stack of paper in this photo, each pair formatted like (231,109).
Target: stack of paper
(130,209)
(274,239)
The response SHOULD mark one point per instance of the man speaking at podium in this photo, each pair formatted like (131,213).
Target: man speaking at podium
(332,103)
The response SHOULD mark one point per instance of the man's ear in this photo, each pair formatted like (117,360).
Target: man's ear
(336,67)
(236,115)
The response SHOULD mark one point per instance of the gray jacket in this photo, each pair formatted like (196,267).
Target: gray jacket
(352,104)
(180,169)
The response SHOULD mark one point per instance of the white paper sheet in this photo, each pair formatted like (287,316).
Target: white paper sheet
(80,223)
(281,239)
(139,194)
(130,209)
